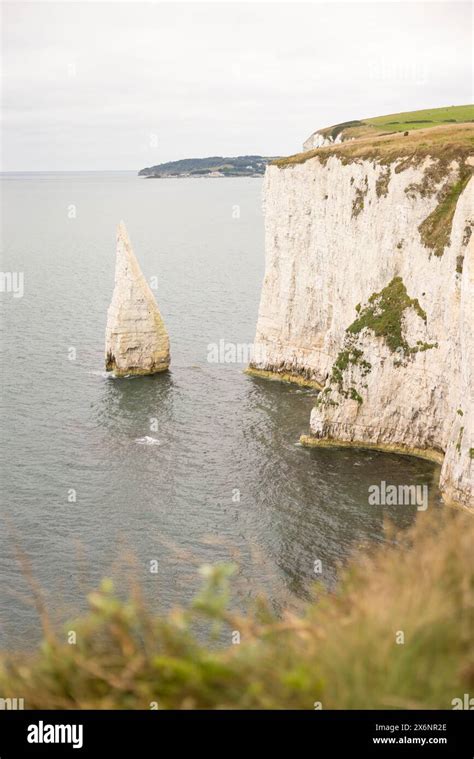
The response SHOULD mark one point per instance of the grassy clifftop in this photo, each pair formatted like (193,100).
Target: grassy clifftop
(436,131)
(397,634)
(448,141)
(399,122)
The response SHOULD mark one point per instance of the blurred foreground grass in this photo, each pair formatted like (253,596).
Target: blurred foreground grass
(341,652)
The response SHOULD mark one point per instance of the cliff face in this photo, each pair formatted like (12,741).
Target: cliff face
(318,140)
(136,341)
(367,292)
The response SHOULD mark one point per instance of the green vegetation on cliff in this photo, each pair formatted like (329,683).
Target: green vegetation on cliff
(383,315)
(435,230)
(396,634)
(346,357)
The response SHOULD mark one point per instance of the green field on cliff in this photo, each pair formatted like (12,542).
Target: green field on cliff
(400,122)
(395,122)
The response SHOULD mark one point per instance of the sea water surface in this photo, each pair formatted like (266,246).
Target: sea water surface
(198,466)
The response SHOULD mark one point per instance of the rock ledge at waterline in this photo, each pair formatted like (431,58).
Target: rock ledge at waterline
(136,340)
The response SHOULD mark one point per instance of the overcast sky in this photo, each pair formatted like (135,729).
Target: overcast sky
(125,85)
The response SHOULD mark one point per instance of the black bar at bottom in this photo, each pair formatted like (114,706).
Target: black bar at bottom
(142,733)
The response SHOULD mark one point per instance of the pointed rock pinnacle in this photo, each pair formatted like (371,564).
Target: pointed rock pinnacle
(136,340)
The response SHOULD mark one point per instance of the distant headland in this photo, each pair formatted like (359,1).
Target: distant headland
(215,166)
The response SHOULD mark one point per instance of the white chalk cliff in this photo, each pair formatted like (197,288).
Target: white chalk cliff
(368,293)
(318,140)
(136,341)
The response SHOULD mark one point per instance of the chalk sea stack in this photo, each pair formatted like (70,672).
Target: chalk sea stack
(136,340)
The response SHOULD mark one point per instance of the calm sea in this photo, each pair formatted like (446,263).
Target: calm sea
(224,478)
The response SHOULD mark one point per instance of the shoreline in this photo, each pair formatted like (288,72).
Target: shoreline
(429,454)
(288,377)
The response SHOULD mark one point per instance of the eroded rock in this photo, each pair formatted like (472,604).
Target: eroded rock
(136,340)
